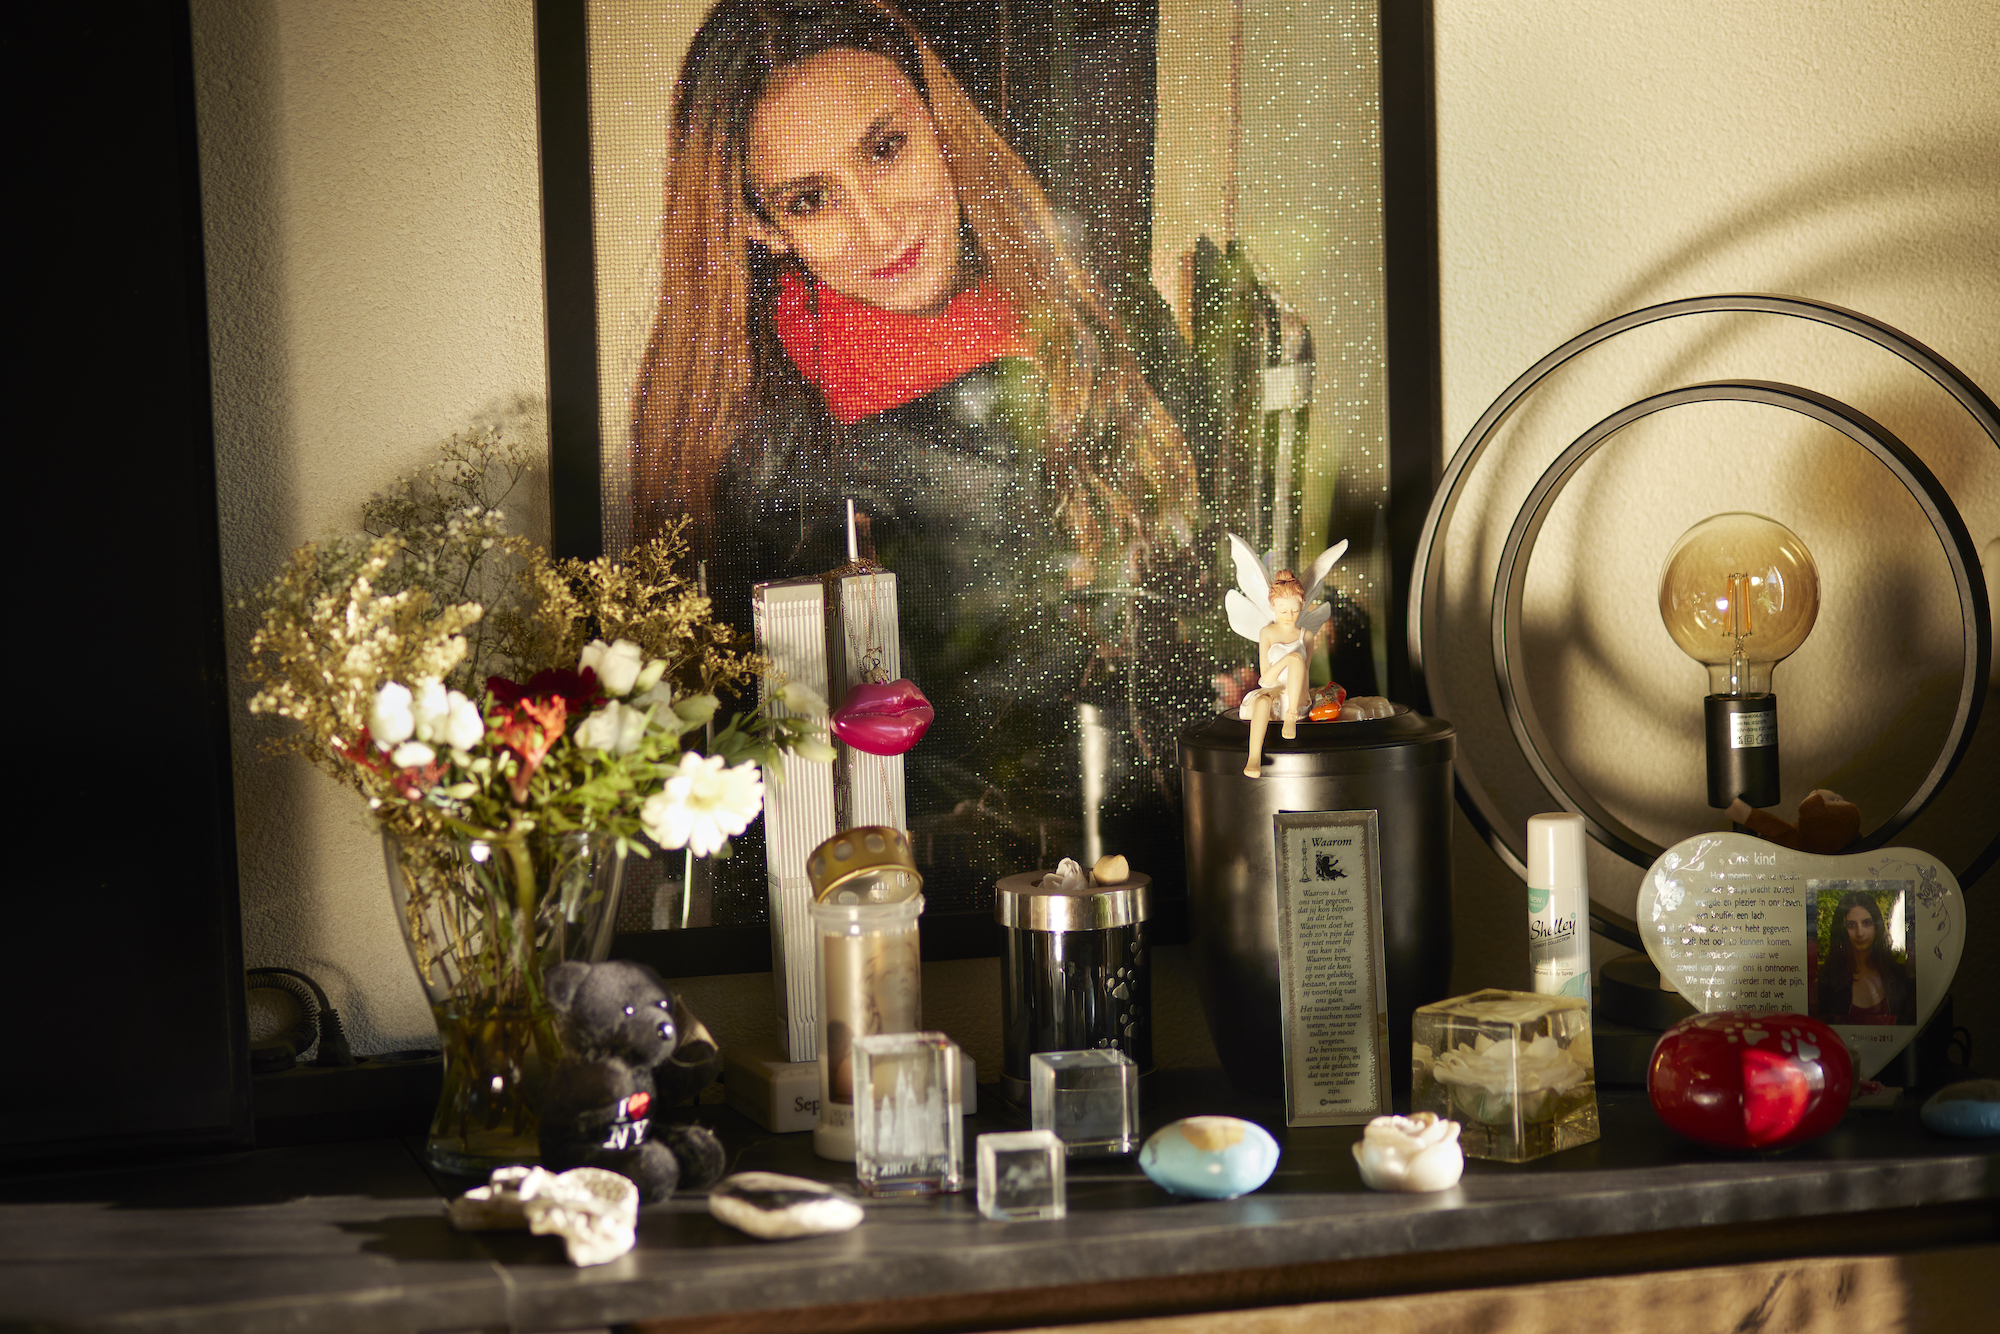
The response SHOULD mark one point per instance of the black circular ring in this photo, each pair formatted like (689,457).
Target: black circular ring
(1897,457)
(1427,574)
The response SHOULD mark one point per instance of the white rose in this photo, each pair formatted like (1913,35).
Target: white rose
(412,755)
(430,708)
(463,727)
(389,718)
(659,693)
(614,727)
(703,804)
(1490,1078)
(1413,1153)
(617,664)
(649,678)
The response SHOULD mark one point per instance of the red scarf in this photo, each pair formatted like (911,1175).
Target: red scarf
(865,360)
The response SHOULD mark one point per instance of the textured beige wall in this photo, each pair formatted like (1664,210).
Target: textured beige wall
(372,204)
(1601,156)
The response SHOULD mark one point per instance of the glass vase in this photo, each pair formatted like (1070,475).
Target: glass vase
(484,918)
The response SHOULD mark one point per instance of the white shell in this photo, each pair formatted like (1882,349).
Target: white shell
(1067,878)
(826,1210)
(594,1211)
(1410,1153)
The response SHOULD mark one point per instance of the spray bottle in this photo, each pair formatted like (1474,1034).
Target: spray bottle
(1558,906)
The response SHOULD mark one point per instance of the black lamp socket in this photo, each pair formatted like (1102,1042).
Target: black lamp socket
(1742,749)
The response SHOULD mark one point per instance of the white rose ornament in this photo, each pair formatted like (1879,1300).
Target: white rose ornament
(1410,1153)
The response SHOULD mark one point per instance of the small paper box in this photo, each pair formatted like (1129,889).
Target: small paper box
(908,1139)
(1513,1068)
(1021,1176)
(1088,1099)
(829,633)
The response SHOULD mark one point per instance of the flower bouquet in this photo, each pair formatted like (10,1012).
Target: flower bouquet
(518,725)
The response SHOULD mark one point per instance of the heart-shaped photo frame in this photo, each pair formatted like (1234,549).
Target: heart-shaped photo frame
(1866,942)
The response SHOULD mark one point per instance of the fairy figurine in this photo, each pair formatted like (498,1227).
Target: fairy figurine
(1273,612)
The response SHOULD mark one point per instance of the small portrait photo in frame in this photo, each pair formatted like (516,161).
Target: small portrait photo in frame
(1863,969)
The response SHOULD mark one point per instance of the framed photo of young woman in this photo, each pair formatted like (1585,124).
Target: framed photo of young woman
(1058,295)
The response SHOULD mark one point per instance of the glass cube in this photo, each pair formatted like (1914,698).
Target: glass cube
(1021,1176)
(908,1139)
(1090,1099)
(1513,1068)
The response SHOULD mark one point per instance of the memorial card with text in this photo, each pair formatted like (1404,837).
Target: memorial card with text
(1866,942)
(1332,983)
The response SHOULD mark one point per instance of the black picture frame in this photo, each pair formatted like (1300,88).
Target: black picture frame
(1411,336)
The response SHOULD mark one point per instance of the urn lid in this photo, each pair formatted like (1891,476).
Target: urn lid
(1406,739)
(1020,901)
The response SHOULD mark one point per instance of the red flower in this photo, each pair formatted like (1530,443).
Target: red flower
(361,752)
(577,690)
(528,727)
(414,782)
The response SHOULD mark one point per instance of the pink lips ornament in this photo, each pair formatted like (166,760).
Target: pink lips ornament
(883,718)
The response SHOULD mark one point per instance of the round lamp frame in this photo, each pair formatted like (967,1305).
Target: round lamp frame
(1511,576)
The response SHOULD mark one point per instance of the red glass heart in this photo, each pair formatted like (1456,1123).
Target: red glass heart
(883,718)
(1737,1080)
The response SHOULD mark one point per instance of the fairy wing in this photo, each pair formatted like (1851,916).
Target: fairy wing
(1246,618)
(1322,566)
(1250,575)
(1315,617)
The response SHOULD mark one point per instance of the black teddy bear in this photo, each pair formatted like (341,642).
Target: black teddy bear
(633,1051)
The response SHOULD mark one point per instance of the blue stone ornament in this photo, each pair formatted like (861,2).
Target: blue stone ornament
(1969,1109)
(1210,1157)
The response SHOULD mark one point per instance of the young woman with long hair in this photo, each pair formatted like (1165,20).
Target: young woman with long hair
(1114,457)
(1861,982)
(865,296)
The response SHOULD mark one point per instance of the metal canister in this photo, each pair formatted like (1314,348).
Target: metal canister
(1398,767)
(1074,972)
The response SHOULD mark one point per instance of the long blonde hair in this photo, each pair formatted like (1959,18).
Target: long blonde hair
(1111,452)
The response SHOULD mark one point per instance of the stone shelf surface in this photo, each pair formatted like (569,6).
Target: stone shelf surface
(352,1237)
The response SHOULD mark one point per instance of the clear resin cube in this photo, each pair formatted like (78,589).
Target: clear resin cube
(1090,1099)
(1021,1176)
(908,1139)
(1514,1069)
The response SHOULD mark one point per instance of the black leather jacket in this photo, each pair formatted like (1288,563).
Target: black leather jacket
(1017,662)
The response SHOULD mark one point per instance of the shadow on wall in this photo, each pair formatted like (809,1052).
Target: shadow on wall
(1882,696)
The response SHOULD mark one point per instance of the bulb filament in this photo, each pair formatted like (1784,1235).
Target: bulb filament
(1736,623)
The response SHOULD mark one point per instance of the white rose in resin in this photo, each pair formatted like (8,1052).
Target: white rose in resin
(1488,1076)
(1410,1153)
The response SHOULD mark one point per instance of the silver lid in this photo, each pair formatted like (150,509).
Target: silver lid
(1020,901)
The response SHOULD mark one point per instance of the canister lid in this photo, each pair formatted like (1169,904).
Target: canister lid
(1020,901)
(868,864)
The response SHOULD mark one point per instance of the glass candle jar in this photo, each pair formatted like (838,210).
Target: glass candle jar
(869,982)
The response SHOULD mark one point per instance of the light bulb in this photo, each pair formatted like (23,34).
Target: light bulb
(1739,594)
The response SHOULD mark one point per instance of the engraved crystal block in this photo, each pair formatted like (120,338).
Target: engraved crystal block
(1021,1176)
(908,1139)
(1090,1099)
(1514,1069)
